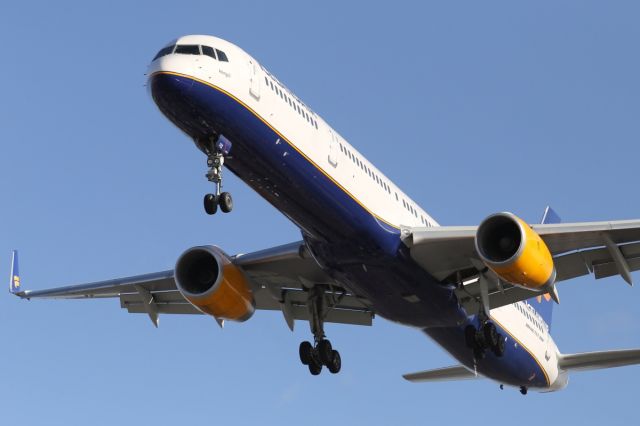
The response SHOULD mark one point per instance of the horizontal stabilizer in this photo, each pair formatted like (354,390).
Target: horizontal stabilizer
(598,360)
(456,372)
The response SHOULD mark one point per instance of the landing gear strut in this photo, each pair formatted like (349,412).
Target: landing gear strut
(484,338)
(215,162)
(321,353)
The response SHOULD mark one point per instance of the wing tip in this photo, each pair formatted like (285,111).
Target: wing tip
(14,279)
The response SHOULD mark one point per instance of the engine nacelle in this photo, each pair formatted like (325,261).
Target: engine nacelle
(515,252)
(209,281)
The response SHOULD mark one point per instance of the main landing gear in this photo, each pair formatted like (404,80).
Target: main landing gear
(523,389)
(215,161)
(483,339)
(321,353)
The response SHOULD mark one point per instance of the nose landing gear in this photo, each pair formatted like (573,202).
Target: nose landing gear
(215,161)
(321,353)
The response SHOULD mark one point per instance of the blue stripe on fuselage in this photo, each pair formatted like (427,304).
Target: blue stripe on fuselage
(352,244)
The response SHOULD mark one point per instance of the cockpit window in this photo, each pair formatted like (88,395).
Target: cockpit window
(209,51)
(164,51)
(222,56)
(188,49)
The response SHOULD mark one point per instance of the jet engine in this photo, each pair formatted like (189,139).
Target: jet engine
(515,252)
(209,281)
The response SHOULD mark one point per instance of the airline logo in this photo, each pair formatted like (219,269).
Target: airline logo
(16,282)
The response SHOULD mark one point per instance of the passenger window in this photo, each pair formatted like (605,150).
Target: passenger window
(163,52)
(210,51)
(222,56)
(188,49)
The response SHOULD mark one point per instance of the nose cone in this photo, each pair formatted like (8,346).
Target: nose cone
(173,95)
(169,89)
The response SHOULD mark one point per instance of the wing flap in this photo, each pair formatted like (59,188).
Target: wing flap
(456,372)
(137,307)
(599,360)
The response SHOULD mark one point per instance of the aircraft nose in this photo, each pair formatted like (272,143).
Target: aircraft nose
(167,89)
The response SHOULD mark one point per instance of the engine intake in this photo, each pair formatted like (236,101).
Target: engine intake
(515,252)
(209,281)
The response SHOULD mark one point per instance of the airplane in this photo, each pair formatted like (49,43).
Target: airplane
(484,293)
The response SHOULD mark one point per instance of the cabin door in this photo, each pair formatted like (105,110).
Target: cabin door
(254,80)
(333,149)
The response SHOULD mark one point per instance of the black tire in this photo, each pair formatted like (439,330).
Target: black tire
(315,369)
(306,353)
(499,348)
(470,336)
(523,390)
(325,352)
(210,204)
(226,202)
(336,363)
(490,334)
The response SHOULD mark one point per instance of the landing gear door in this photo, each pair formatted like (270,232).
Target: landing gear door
(254,80)
(333,149)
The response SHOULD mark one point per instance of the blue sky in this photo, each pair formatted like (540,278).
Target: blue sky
(471,107)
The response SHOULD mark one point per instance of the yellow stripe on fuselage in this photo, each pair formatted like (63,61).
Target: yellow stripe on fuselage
(546,376)
(283,138)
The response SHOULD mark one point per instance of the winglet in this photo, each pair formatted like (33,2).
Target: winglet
(14,279)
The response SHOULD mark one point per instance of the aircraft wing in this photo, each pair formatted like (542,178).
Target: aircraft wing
(279,278)
(600,248)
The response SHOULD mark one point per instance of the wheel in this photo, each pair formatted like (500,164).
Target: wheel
(523,390)
(336,362)
(210,204)
(470,336)
(226,202)
(490,334)
(314,368)
(499,347)
(306,353)
(325,351)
